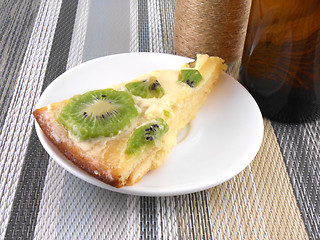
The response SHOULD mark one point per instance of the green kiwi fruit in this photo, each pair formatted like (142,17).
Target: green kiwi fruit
(147,135)
(191,76)
(149,88)
(98,113)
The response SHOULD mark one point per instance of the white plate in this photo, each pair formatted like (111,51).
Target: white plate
(222,140)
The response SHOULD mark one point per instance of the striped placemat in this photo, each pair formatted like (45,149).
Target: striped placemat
(275,197)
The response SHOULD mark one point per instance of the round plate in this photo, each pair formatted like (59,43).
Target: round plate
(218,144)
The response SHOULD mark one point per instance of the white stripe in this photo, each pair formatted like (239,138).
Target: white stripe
(190,220)
(244,190)
(155,30)
(203,217)
(89,212)
(210,217)
(166,218)
(215,213)
(167,25)
(233,190)
(233,208)
(50,203)
(133,211)
(159,216)
(224,218)
(258,205)
(161,25)
(13,139)
(48,216)
(169,21)
(134,31)
(182,212)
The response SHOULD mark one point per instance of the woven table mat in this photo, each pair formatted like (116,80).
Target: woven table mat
(275,197)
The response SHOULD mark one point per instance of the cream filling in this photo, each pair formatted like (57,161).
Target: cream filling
(149,109)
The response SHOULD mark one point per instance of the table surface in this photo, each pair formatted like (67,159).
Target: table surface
(275,197)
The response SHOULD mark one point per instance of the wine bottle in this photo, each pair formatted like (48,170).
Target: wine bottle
(281,59)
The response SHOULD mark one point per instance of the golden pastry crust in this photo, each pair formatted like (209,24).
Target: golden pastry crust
(72,151)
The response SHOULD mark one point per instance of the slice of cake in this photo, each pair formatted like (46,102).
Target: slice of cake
(120,133)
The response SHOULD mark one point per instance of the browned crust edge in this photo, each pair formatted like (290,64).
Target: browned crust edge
(72,152)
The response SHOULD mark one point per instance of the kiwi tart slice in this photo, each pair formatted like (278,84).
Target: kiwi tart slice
(149,88)
(120,133)
(98,113)
(147,135)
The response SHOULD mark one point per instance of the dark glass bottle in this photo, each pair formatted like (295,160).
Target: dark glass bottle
(281,59)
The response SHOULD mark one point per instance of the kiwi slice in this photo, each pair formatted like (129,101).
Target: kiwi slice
(98,113)
(149,88)
(146,136)
(191,76)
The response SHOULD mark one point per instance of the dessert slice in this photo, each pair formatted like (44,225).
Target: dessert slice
(120,133)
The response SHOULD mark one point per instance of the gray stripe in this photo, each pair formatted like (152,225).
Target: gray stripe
(148,218)
(148,207)
(192,220)
(300,146)
(143,26)
(27,199)
(29,191)
(206,215)
(15,33)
